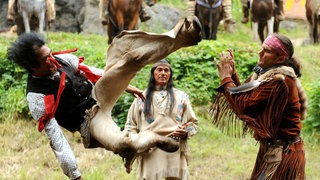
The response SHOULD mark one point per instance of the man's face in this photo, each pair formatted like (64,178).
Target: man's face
(162,75)
(268,57)
(46,66)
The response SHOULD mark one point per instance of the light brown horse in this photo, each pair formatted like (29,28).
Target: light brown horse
(123,15)
(313,17)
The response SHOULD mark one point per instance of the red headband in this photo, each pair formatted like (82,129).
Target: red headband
(276,45)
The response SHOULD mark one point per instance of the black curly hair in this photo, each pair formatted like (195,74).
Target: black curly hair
(22,51)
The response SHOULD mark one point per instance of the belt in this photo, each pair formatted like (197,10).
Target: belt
(283,142)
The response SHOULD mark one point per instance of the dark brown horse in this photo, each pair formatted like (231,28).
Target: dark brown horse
(313,17)
(263,19)
(210,14)
(123,15)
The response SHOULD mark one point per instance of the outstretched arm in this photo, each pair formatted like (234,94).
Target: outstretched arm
(62,149)
(135,92)
(58,142)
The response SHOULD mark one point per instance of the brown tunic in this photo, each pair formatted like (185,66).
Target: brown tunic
(272,110)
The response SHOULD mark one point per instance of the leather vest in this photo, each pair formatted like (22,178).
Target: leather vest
(74,100)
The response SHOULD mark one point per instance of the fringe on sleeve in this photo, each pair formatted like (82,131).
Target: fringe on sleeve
(225,119)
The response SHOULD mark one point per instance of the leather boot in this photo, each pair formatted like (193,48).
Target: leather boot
(191,9)
(10,17)
(105,19)
(187,32)
(245,18)
(11,12)
(104,11)
(229,23)
(143,15)
(51,11)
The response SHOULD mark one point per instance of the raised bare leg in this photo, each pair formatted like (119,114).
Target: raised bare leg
(128,53)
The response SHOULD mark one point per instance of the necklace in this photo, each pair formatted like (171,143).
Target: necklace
(163,93)
(161,100)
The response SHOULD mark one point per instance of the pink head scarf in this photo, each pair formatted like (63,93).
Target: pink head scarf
(276,45)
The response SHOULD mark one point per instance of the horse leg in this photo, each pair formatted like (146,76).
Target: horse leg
(316,35)
(26,21)
(110,29)
(270,25)
(262,31)
(255,31)
(133,23)
(211,25)
(311,33)
(41,21)
(215,29)
(128,53)
(276,26)
(120,20)
(206,32)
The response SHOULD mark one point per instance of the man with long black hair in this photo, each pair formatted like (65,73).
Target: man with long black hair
(166,111)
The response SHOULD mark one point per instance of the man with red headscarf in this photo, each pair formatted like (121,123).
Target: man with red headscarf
(272,104)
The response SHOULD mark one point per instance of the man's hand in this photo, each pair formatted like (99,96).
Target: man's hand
(180,132)
(135,92)
(226,66)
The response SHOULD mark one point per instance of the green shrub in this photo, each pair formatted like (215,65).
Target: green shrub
(312,122)
(12,87)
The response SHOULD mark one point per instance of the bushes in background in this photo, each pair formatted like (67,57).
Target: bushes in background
(193,71)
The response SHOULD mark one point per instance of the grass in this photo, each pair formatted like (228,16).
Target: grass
(26,154)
